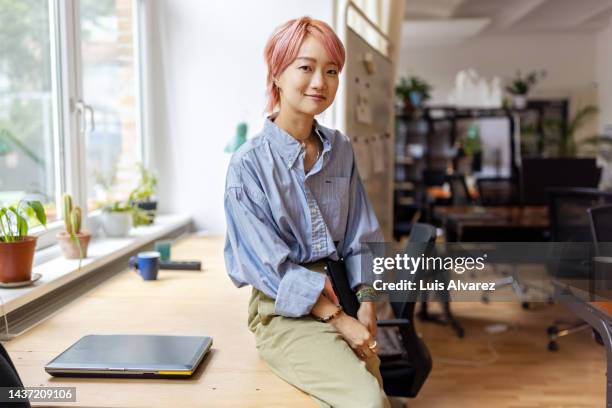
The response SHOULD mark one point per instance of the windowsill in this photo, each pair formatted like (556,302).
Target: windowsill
(57,271)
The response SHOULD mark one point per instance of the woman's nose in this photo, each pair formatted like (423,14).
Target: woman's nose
(318,80)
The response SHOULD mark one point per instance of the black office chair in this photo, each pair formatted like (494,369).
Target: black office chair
(460,195)
(494,191)
(570,222)
(601,231)
(601,223)
(9,376)
(404,374)
(568,210)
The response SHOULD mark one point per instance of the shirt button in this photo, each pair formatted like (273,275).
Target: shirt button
(317,246)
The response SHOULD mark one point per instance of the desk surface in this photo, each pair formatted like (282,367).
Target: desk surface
(185,303)
(512,216)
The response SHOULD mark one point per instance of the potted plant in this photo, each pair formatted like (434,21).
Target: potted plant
(414,91)
(560,138)
(73,242)
(141,197)
(519,87)
(117,219)
(16,246)
(473,148)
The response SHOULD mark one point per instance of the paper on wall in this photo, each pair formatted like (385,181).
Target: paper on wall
(378,153)
(362,157)
(363,108)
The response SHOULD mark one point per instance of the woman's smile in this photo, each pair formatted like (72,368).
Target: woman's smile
(316,97)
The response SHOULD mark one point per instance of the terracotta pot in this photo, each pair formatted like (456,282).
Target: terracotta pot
(69,248)
(16,260)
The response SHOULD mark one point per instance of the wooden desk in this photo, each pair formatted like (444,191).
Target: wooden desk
(512,223)
(183,303)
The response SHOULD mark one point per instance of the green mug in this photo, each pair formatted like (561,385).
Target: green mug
(163,247)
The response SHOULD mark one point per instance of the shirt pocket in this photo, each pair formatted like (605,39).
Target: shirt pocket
(334,203)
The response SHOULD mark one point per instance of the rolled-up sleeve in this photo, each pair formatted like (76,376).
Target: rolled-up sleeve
(362,228)
(255,254)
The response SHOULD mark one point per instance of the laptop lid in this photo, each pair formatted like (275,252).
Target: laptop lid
(132,355)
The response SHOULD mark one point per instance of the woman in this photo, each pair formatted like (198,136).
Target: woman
(293,197)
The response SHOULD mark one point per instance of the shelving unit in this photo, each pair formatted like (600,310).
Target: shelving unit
(426,142)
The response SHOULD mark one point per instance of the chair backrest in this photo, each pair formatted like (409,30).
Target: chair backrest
(601,229)
(434,177)
(460,195)
(9,376)
(601,223)
(497,191)
(416,350)
(568,210)
(420,233)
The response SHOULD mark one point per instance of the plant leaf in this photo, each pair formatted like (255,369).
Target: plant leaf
(39,210)
(22,224)
(581,116)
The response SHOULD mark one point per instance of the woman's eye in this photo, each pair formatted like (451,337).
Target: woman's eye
(332,72)
(305,68)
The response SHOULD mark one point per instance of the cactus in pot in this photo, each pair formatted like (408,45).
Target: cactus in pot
(73,241)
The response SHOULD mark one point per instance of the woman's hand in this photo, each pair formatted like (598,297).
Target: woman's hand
(367,316)
(355,334)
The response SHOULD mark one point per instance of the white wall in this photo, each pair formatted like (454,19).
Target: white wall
(569,60)
(207,73)
(604,75)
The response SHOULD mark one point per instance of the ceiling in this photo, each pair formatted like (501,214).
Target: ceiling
(437,21)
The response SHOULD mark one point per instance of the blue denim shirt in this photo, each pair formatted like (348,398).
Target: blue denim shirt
(278,217)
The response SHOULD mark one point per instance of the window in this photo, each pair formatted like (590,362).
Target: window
(28,102)
(377,11)
(55,56)
(110,88)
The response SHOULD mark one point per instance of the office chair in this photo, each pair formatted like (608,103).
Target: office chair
(570,222)
(9,376)
(404,374)
(427,233)
(601,223)
(494,191)
(460,195)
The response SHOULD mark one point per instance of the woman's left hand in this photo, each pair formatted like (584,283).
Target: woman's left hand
(367,316)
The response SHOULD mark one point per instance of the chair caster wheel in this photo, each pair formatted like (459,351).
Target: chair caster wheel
(553,346)
(461,333)
(484,299)
(552,330)
(525,305)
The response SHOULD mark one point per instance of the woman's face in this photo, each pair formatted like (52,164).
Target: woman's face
(309,84)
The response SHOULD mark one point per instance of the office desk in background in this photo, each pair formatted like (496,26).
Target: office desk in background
(179,303)
(493,224)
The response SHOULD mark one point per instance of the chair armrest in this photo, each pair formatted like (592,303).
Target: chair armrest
(394,323)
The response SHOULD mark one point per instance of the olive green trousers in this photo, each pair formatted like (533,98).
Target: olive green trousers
(313,357)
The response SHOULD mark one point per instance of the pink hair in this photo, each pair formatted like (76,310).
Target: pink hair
(285,42)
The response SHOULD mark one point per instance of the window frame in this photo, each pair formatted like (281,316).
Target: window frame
(67,87)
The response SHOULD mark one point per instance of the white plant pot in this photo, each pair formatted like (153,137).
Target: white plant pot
(520,101)
(116,224)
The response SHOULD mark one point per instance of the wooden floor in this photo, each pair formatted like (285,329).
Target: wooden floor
(512,369)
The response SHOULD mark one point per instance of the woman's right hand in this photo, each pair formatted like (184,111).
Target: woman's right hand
(355,334)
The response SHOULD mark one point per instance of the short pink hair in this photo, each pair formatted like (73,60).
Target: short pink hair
(284,44)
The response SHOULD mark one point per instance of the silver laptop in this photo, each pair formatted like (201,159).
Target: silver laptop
(141,356)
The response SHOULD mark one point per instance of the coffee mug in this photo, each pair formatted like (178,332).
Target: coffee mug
(148,264)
